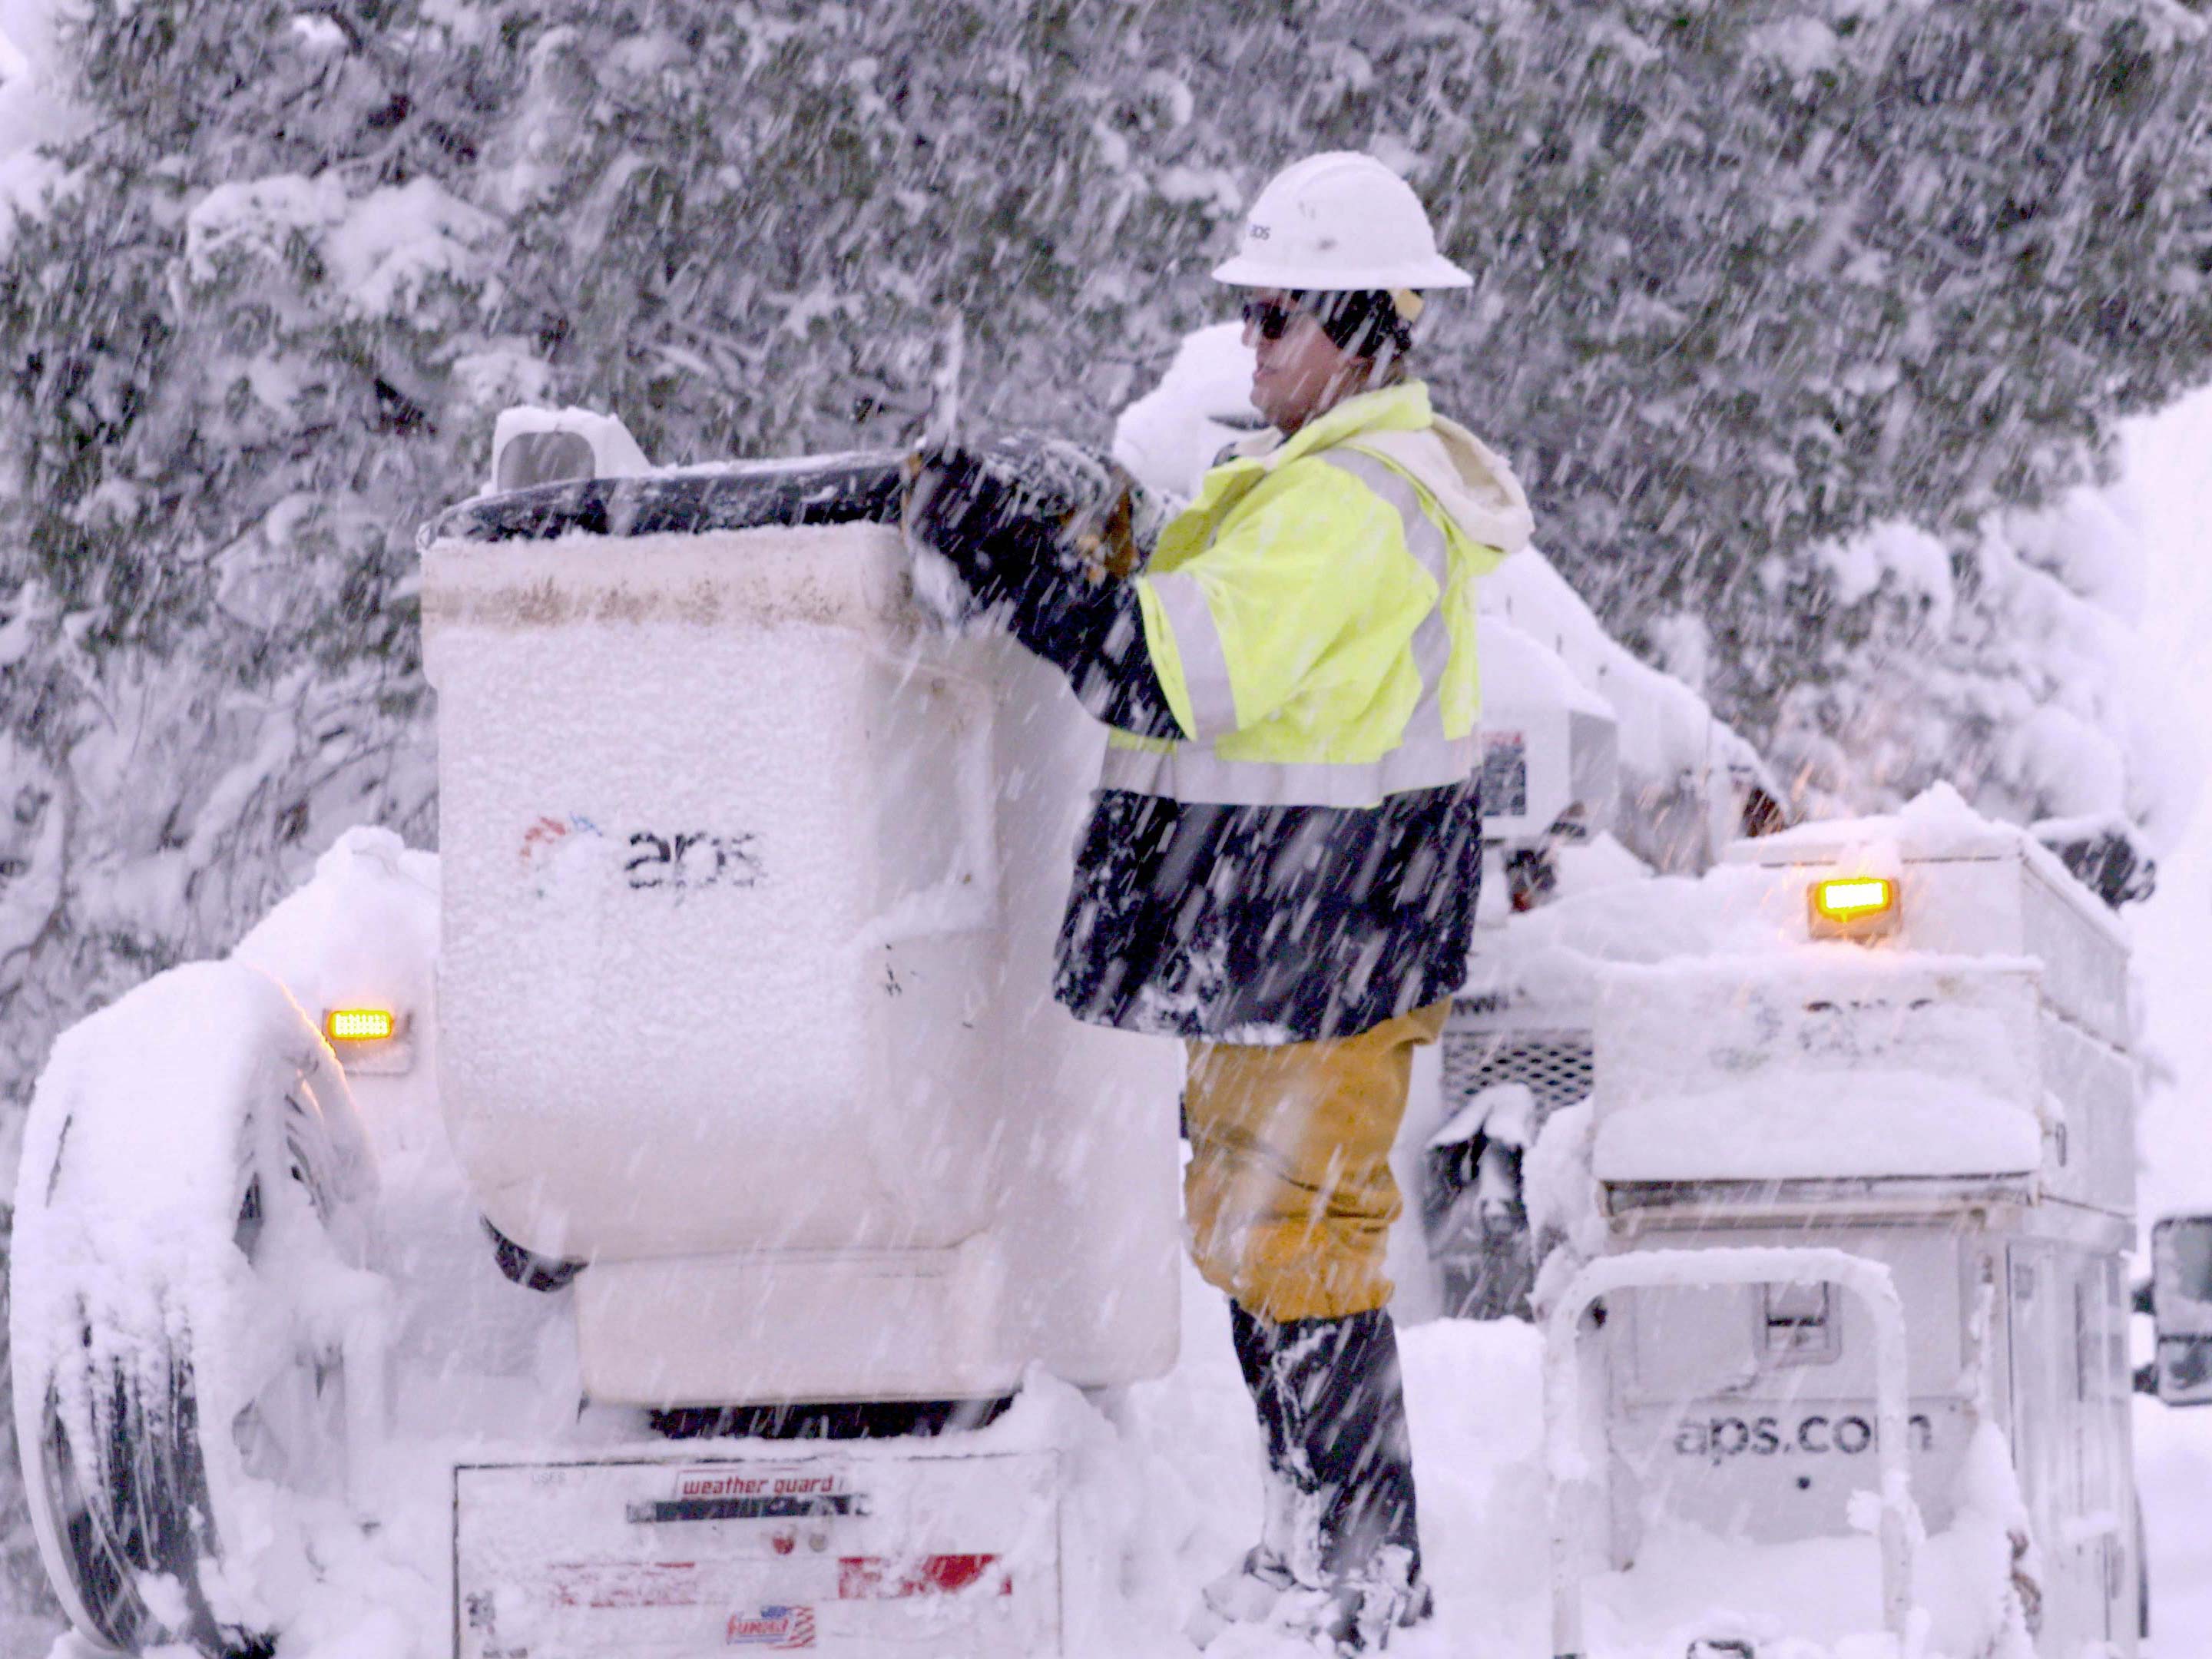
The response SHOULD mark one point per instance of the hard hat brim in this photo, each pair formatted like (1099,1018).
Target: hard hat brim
(1246,271)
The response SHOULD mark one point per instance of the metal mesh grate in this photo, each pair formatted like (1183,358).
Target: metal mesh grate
(1555,1065)
(1480,1243)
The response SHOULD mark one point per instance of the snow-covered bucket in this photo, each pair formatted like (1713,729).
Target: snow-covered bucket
(751,873)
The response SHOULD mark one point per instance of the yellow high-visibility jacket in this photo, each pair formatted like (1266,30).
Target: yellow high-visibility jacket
(1311,617)
(1295,854)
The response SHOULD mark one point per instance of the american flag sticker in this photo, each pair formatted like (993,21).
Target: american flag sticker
(776,1629)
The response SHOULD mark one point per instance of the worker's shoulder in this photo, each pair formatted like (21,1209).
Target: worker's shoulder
(1365,476)
(1308,494)
(1344,471)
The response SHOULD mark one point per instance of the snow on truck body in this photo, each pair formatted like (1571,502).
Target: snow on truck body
(1951,1103)
(752,873)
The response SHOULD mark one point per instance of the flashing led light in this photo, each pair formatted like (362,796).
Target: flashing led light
(1854,898)
(359,1025)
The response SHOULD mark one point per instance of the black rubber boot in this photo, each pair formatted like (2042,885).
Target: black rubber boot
(1332,1409)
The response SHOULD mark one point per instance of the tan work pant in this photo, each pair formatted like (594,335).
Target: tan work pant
(1288,1196)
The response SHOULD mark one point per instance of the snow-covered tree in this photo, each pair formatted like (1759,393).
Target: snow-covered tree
(237,336)
(224,331)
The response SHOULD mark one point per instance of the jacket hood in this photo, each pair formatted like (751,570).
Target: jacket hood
(1471,482)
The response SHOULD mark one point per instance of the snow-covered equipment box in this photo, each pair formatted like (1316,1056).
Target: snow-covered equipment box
(852,1551)
(752,873)
(1865,1170)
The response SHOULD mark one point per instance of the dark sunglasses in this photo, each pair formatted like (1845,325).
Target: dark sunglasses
(1271,317)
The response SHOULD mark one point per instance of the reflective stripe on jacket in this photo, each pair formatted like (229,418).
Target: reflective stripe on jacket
(1301,860)
(1316,607)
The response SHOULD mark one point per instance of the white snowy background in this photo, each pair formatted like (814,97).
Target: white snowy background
(2168,485)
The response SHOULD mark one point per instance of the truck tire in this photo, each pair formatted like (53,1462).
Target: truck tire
(172,1401)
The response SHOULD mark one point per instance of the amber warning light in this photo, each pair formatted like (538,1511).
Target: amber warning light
(358,1024)
(1853,907)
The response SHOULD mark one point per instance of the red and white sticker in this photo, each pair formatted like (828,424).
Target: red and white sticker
(777,1628)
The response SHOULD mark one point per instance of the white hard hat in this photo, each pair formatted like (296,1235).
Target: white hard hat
(1337,221)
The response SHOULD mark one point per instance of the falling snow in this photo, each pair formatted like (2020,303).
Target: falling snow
(1842,347)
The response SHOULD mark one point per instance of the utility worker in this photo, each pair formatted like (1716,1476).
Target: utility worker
(1281,865)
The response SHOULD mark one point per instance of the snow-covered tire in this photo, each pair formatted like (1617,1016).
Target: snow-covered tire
(189,1223)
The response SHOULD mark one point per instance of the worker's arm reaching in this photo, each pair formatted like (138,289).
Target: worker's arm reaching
(1094,633)
(1225,638)
(1053,585)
